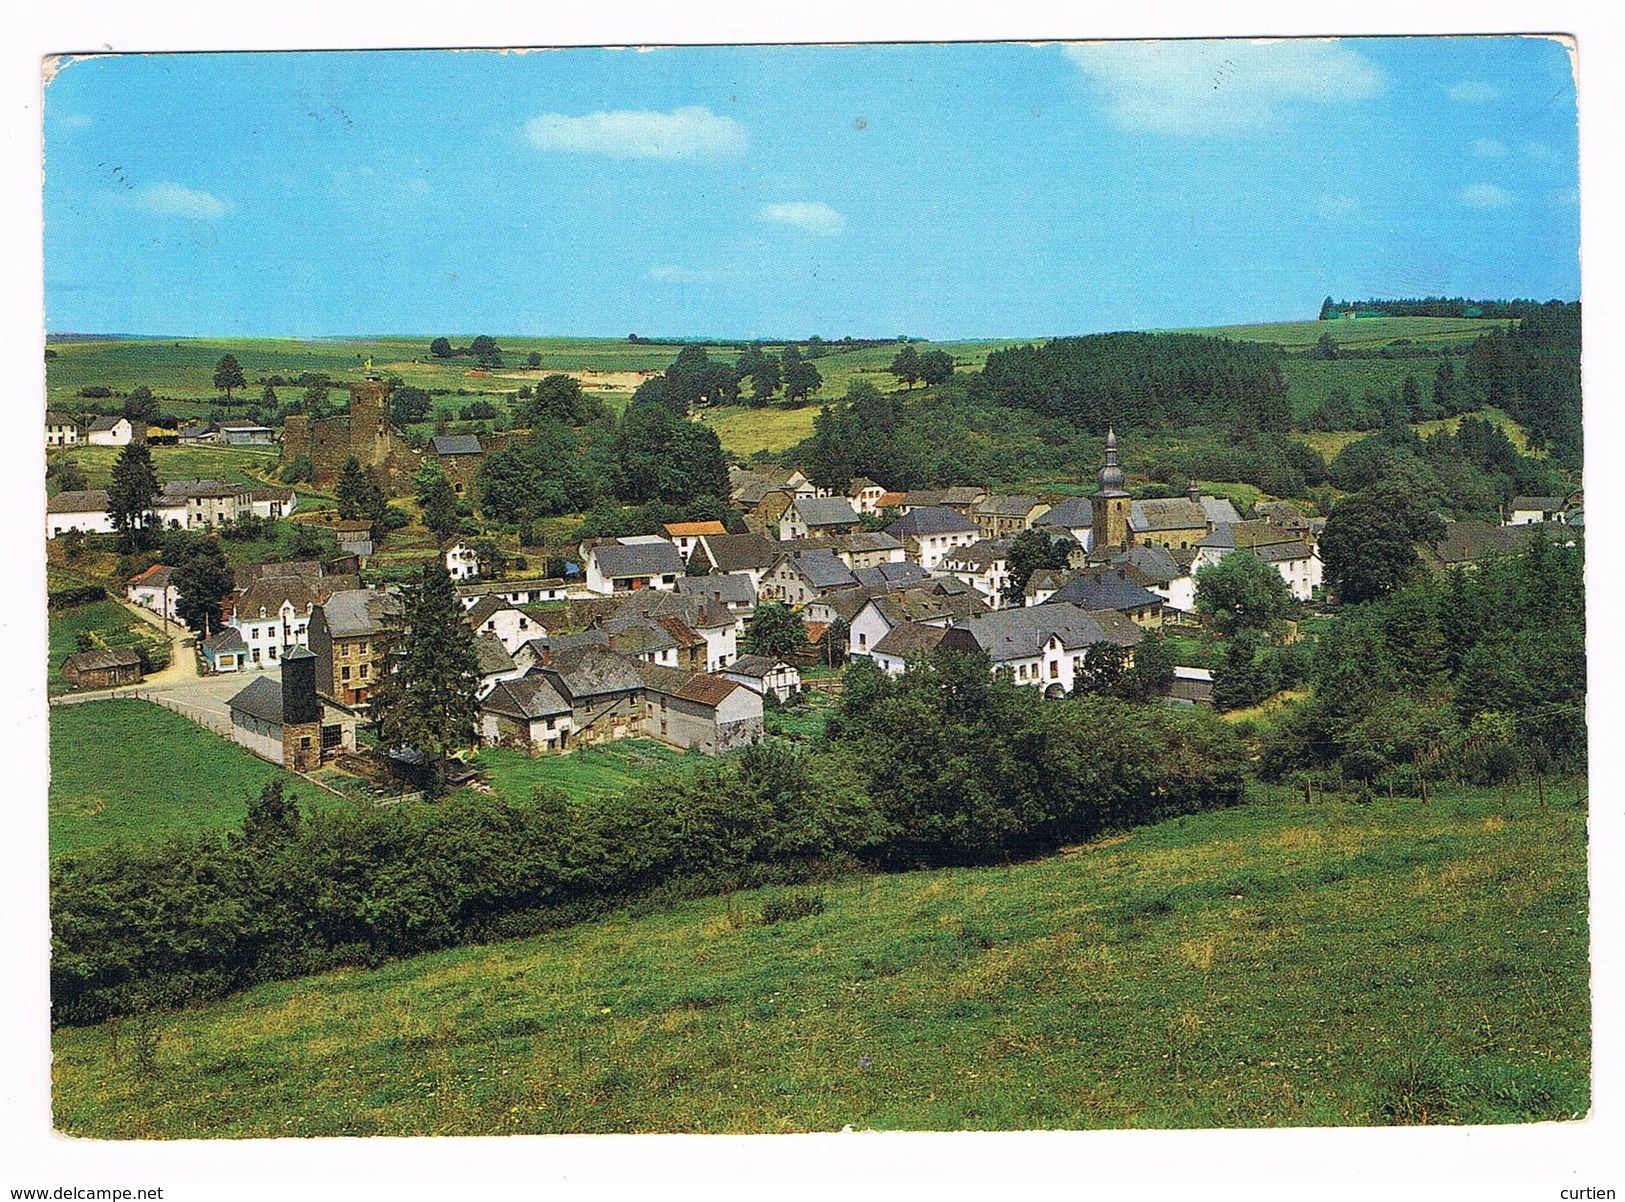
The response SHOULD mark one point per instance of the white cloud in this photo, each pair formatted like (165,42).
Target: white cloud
(1486,196)
(813,216)
(1204,87)
(686,133)
(1336,206)
(1489,148)
(178,200)
(667,274)
(1472,91)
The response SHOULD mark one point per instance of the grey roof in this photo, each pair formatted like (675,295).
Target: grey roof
(1172,513)
(107,657)
(358,611)
(909,638)
(885,574)
(1009,507)
(491,654)
(979,556)
(1248,534)
(197,430)
(456,444)
(825,511)
(270,593)
(859,483)
(584,672)
(697,610)
(526,584)
(253,427)
(962,494)
(528,697)
(179,489)
(754,666)
(738,552)
(931,519)
(617,560)
(1577,518)
(224,641)
(924,605)
(1073,513)
(104,423)
(487,605)
(262,699)
(1540,504)
(308,569)
(731,588)
(1152,561)
(820,569)
(89,501)
(1111,589)
(1218,510)
(1008,634)
(636,635)
(860,541)
(1282,552)
(53,418)
(270,494)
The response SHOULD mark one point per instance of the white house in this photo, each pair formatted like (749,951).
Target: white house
(863,494)
(155,589)
(685,536)
(514,592)
(1298,563)
(930,533)
(207,502)
(272,617)
(511,627)
(60,430)
(619,567)
(110,432)
(762,674)
(903,642)
(85,511)
(982,565)
(1527,511)
(495,664)
(817,517)
(1041,645)
(272,502)
(802,576)
(925,606)
(1076,516)
(461,561)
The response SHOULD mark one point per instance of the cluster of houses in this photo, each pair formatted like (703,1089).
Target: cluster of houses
(186,504)
(118,431)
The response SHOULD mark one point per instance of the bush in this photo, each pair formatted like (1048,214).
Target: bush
(297,470)
(96,391)
(67,598)
(395,518)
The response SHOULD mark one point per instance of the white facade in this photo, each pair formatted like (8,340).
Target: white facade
(91,521)
(932,549)
(1180,592)
(61,434)
(864,499)
(269,636)
(513,628)
(119,435)
(461,562)
(598,582)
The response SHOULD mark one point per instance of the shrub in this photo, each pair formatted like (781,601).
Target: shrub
(67,598)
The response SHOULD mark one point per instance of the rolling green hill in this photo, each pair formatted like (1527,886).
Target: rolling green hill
(1280,964)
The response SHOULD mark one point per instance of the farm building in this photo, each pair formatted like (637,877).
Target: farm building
(284,720)
(762,674)
(106,668)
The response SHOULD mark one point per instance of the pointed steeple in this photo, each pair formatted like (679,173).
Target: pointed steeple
(1111,476)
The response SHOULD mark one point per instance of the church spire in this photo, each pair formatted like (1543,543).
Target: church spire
(1111,475)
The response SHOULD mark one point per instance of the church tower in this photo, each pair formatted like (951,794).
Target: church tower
(1111,503)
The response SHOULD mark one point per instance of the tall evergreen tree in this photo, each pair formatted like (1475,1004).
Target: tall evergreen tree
(425,698)
(203,578)
(438,500)
(132,488)
(228,374)
(358,495)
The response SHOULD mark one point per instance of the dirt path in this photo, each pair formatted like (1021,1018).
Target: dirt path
(182,660)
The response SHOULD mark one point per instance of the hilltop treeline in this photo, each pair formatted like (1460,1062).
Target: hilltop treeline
(1143,381)
(948,765)
(1533,372)
(1430,306)
(1474,675)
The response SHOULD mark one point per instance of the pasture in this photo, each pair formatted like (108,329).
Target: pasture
(588,772)
(1366,333)
(107,623)
(1274,965)
(133,770)
(239,465)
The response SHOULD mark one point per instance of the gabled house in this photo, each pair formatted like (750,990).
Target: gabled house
(345,633)
(891,575)
(735,590)
(461,560)
(272,617)
(285,721)
(224,651)
(1075,515)
(60,430)
(1526,511)
(867,549)
(1004,517)
(927,606)
(863,494)
(694,710)
(272,502)
(685,536)
(103,668)
(751,554)
(526,713)
(154,589)
(684,616)
(523,591)
(1109,588)
(929,533)
(86,510)
(509,625)
(1284,549)
(246,434)
(114,432)
(625,567)
(983,565)
(208,502)
(818,518)
(762,674)
(604,691)
(802,576)
(495,663)
(1156,569)
(1042,645)
(904,642)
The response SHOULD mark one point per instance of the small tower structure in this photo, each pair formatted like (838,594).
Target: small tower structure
(1110,503)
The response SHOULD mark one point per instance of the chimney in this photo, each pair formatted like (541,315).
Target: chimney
(299,704)
(1194,493)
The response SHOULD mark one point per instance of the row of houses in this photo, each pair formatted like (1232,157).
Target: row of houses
(187,504)
(117,431)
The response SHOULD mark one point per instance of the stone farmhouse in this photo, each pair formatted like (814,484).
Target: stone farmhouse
(103,668)
(283,720)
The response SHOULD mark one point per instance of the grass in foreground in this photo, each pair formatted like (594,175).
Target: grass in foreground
(134,770)
(589,772)
(1267,966)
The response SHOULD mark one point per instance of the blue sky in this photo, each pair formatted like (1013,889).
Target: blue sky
(940,191)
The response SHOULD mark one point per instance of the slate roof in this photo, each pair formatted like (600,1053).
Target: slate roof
(491,655)
(358,611)
(962,494)
(932,519)
(270,494)
(1007,507)
(637,636)
(109,657)
(858,484)
(639,559)
(1539,504)
(754,666)
(1008,634)
(526,698)
(825,511)
(1470,539)
(923,605)
(262,699)
(527,584)
(1248,534)
(1111,589)
(307,569)
(909,638)
(861,541)
(53,418)
(738,552)
(820,569)
(731,588)
(923,498)
(1172,513)
(270,593)
(890,574)
(698,610)
(224,641)
(198,489)
(1282,513)
(1042,578)
(977,557)
(100,424)
(92,500)
(197,430)
(1072,513)
(482,609)
(589,671)
(1218,510)
(457,444)
(1153,562)
(1282,552)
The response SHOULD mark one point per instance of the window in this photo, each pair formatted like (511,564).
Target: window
(1054,668)
(344,672)
(366,670)
(254,633)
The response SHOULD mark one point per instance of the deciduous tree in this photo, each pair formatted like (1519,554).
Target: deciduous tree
(228,374)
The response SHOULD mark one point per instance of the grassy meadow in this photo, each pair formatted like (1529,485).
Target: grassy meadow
(1278,964)
(588,772)
(1367,333)
(107,623)
(134,770)
(238,465)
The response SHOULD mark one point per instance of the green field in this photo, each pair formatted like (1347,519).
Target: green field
(588,772)
(109,622)
(1275,965)
(134,770)
(238,465)
(1365,333)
